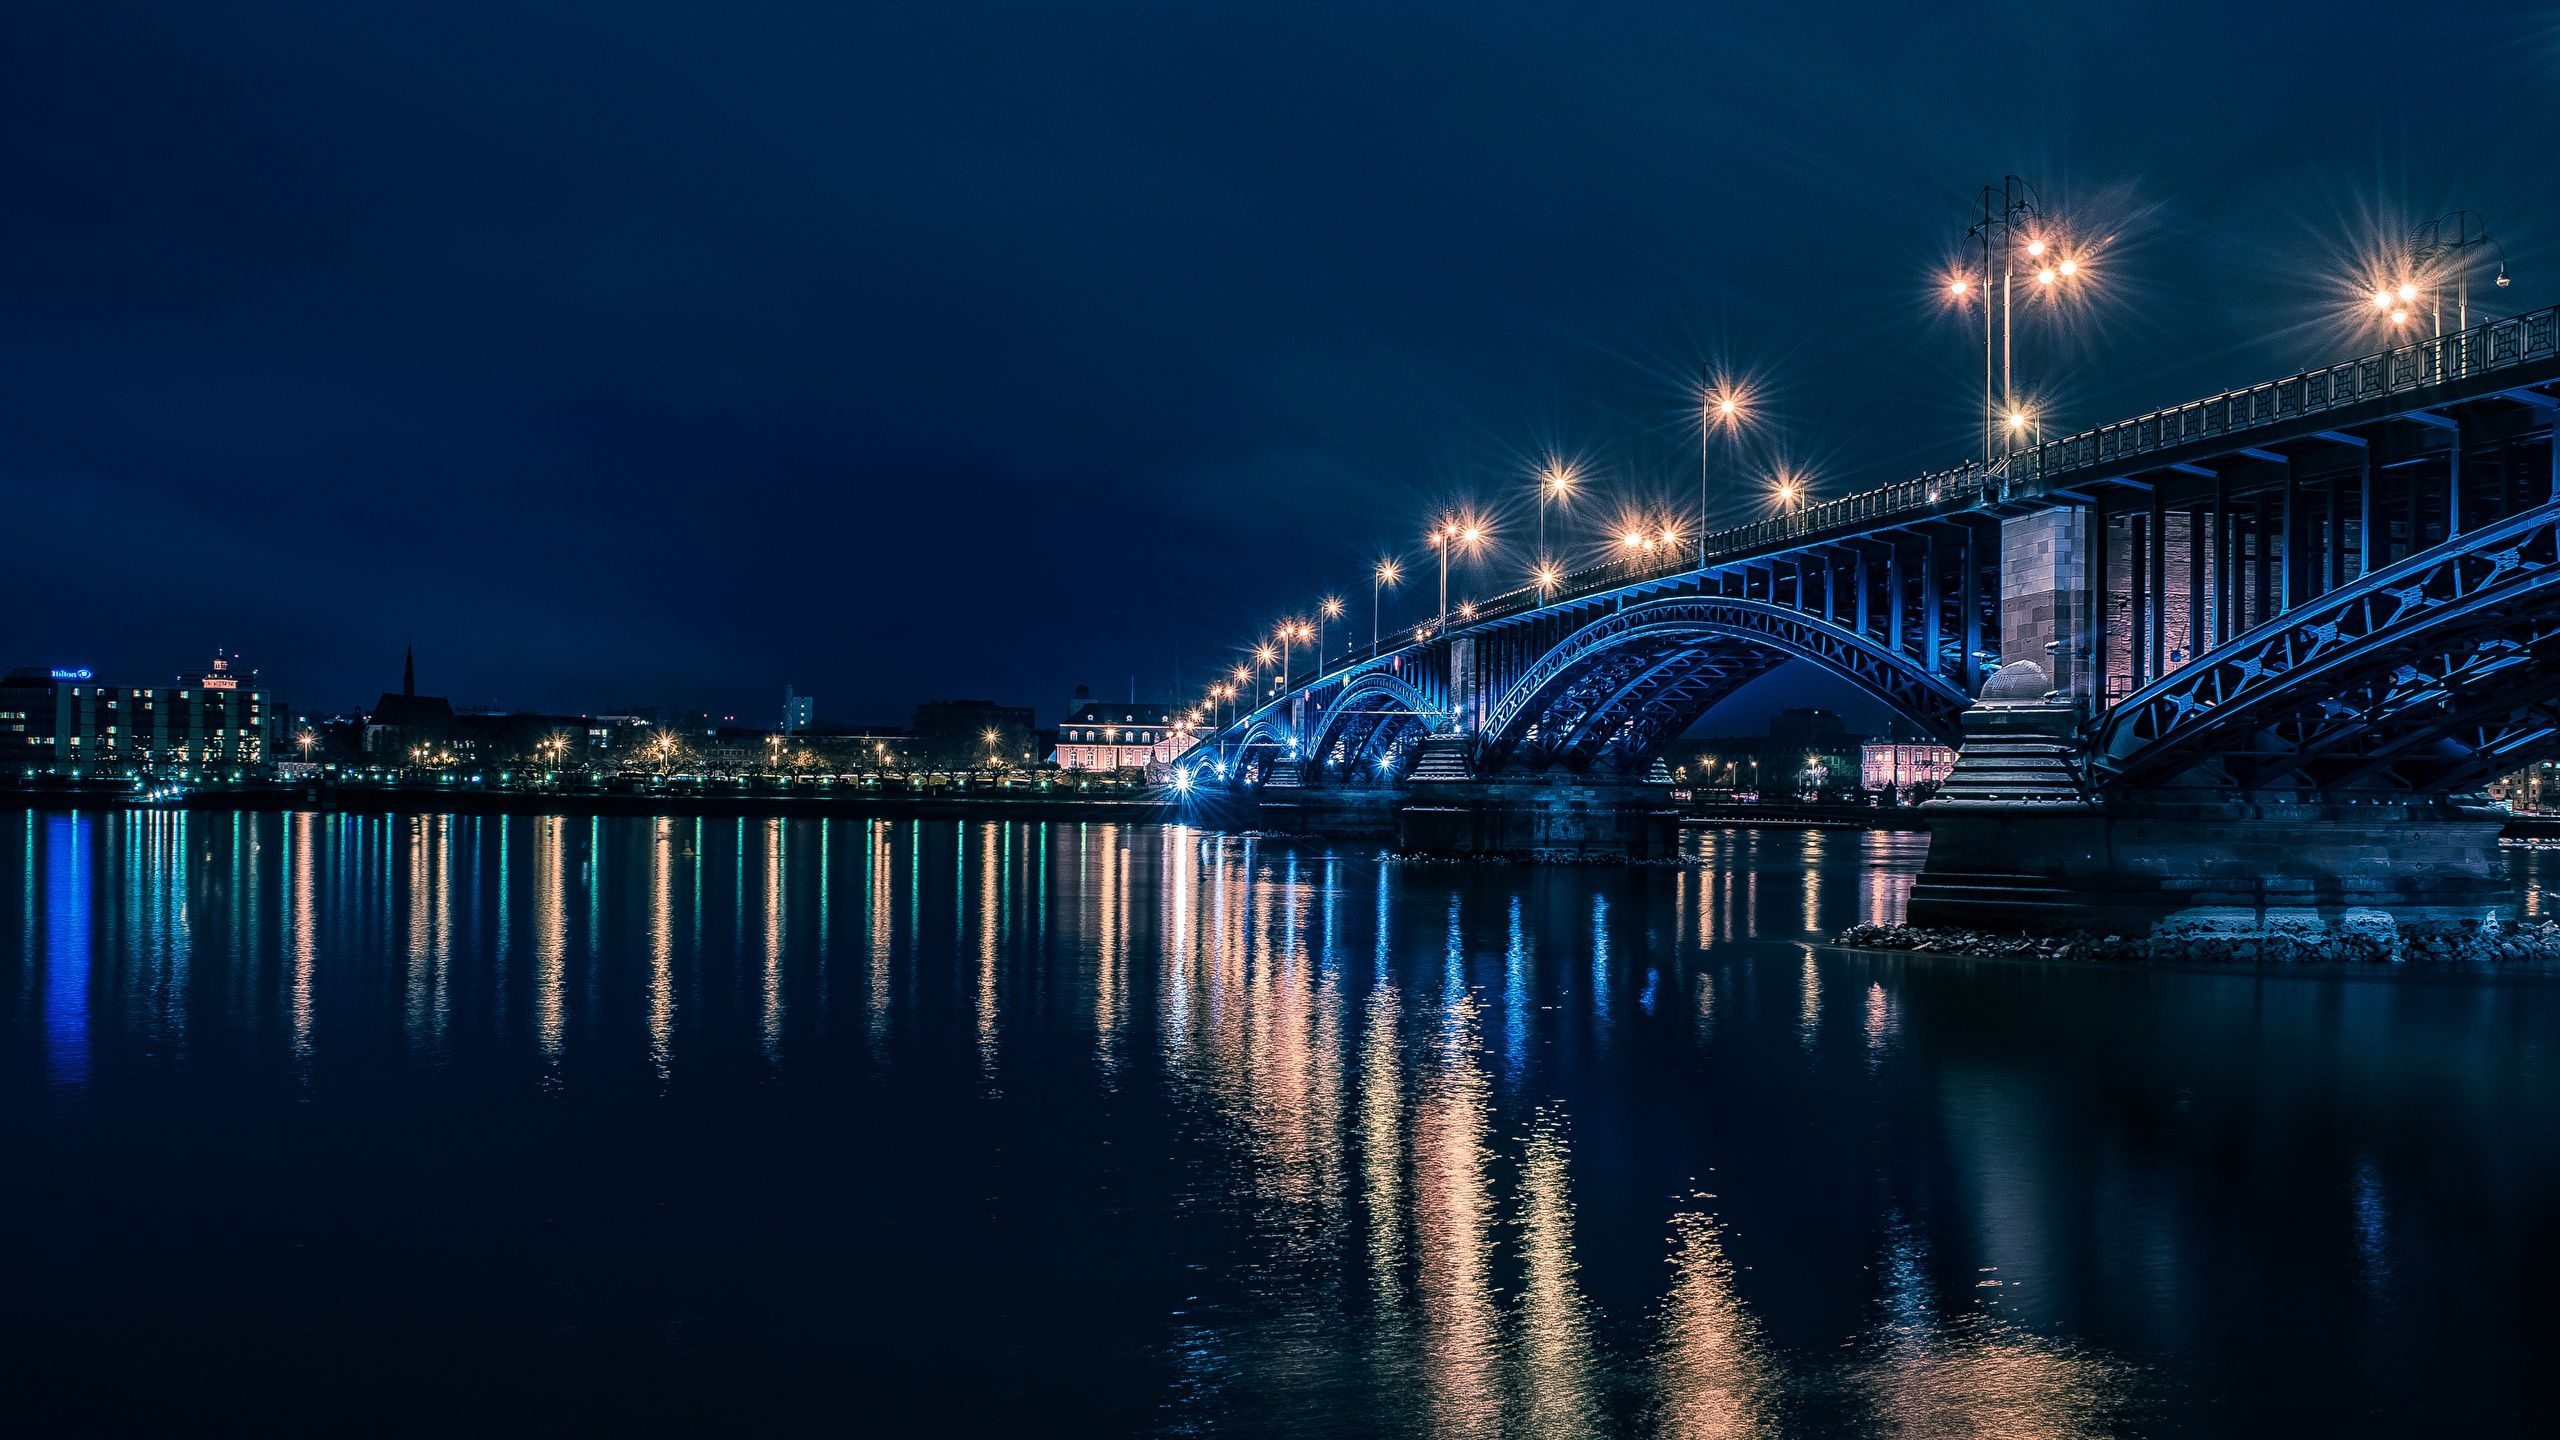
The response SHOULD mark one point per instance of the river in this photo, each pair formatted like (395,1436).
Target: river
(337,1122)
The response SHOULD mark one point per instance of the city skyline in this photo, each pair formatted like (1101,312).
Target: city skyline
(832,385)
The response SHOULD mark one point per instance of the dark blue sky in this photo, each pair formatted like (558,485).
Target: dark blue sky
(661,354)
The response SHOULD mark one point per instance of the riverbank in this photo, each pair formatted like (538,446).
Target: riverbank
(2520,944)
(1054,803)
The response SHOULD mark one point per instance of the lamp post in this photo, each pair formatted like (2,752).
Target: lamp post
(1291,631)
(1554,483)
(2457,235)
(2004,237)
(1726,407)
(1329,609)
(1386,575)
(1452,533)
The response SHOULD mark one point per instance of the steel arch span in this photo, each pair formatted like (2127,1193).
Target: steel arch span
(1377,714)
(2435,674)
(1627,683)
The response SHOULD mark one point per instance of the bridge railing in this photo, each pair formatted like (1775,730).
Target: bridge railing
(2486,347)
(2492,345)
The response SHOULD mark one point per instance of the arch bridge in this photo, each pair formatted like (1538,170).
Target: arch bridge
(2333,589)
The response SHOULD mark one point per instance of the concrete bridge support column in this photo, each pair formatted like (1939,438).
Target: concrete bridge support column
(2047,602)
(2018,841)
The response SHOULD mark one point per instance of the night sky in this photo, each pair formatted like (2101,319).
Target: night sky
(642,354)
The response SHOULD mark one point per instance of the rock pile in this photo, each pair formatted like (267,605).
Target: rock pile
(2488,945)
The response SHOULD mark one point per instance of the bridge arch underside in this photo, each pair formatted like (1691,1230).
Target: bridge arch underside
(2434,677)
(1611,698)
(1263,746)
(1368,737)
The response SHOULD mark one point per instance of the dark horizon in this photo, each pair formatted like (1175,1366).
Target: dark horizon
(659,355)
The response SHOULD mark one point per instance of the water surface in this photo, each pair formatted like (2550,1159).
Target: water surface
(322,1122)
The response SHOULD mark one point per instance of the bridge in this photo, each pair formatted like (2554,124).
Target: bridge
(2256,652)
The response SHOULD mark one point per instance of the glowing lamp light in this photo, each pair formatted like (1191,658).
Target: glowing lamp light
(2045,276)
(2408,291)
(2381,299)
(1959,288)
(2070,267)
(2035,247)
(1632,540)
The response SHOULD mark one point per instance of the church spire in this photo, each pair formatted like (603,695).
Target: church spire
(409,671)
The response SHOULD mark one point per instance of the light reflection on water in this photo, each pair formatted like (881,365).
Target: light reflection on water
(1207,1133)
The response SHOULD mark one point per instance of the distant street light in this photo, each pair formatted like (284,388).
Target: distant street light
(1555,483)
(1387,574)
(1329,609)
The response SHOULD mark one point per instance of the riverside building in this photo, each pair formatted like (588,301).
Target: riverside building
(64,721)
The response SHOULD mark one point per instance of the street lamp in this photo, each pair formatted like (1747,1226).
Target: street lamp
(1264,655)
(1329,609)
(1453,532)
(1555,483)
(2457,235)
(1291,632)
(1546,577)
(1387,574)
(2005,208)
(1787,487)
(1727,406)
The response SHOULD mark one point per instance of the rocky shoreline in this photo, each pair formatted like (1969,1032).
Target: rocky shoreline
(2520,944)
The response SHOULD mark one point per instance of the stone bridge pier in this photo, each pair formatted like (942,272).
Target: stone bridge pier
(2018,840)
